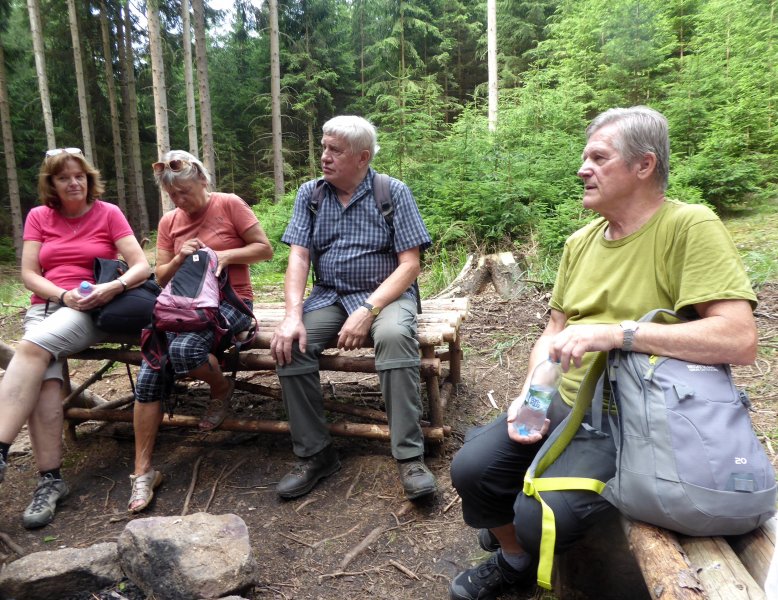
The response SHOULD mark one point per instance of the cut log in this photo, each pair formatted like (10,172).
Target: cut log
(719,570)
(755,550)
(346,429)
(471,280)
(662,562)
(507,276)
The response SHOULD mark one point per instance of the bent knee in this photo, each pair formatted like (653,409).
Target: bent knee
(467,470)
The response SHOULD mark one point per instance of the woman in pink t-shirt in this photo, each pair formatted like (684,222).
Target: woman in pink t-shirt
(61,240)
(226,224)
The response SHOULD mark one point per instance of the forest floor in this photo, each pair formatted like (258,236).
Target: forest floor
(299,545)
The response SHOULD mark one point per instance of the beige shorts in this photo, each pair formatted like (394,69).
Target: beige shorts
(61,332)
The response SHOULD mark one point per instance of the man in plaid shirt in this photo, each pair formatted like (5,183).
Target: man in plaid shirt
(365,272)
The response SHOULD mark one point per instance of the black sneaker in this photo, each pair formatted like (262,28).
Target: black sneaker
(3,467)
(488,541)
(489,579)
(308,472)
(416,478)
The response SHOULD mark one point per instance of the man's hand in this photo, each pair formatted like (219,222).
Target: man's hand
(513,411)
(355,330)
(570,344)
(288,330)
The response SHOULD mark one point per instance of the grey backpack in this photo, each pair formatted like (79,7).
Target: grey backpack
(687,458)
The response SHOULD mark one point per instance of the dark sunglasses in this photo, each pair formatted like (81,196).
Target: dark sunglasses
(56,151)
(176,165)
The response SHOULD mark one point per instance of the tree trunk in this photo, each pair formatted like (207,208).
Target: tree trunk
(160,93)
(135,169)
(275,102)
(491,43)
(40,67)
(191,113)
(115,129)
(10,162)
(206,124)
(83,110)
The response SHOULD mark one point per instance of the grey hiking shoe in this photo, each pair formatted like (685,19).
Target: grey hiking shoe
(49,492)
(416,478)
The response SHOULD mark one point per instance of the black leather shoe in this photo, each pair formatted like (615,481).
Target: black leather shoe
(308,472)
(417,479)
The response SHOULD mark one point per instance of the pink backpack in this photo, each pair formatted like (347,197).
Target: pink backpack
(190,302)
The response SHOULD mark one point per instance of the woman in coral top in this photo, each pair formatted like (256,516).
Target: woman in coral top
(227,225)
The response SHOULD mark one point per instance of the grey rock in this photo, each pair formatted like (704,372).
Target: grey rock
(60,573)
(183,558)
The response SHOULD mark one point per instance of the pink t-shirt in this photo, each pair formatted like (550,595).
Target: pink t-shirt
(220,227)
(70,246)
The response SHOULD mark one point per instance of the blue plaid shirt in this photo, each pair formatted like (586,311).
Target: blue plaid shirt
(354,249)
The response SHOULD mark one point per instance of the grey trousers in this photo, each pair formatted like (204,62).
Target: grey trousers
(397,362)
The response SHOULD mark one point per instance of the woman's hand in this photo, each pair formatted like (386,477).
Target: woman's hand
(100,295)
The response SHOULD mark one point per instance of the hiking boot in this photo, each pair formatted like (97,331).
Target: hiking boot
(489,579)
(488,541)
(49,492)
(308,472)
(417,479)
(3,467)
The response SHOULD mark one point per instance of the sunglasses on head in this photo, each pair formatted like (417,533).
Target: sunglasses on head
(56,151)
(176,165)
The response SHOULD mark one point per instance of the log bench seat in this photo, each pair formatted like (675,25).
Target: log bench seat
(628,559)
(440,371)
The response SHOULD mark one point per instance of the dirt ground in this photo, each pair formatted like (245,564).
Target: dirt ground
(299,545)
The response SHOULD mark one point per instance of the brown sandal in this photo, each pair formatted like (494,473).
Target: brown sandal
(217,410)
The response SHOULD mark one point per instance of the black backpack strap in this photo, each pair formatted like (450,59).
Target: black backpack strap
(383,199)
(313,205)
(385,203)
(228,294)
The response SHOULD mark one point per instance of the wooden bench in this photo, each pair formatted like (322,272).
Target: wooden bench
(628,559)
(438,335)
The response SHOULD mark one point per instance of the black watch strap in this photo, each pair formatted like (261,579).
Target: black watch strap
(373,310)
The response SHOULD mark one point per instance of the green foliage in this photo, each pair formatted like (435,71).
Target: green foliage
(417,68)
(274,218)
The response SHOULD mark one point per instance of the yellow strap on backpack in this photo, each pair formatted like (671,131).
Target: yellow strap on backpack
(549,452)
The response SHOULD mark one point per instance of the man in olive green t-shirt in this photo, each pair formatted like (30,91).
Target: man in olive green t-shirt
(643,252)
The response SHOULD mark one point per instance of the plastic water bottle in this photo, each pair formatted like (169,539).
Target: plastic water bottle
(85,289)
(542,387)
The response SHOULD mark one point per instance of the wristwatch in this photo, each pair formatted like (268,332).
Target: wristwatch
(629,328)
(373,310)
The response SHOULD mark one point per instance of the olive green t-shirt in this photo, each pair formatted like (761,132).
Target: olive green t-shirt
(682,256)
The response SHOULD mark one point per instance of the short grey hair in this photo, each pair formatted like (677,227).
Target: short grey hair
(168,178)
(640,130)
(358,132)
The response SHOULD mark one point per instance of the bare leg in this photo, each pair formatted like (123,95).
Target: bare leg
(20,389)
(211,374)
(506,534)
(146,419)
(45,426)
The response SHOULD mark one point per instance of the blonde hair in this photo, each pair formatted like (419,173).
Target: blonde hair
(167,178)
